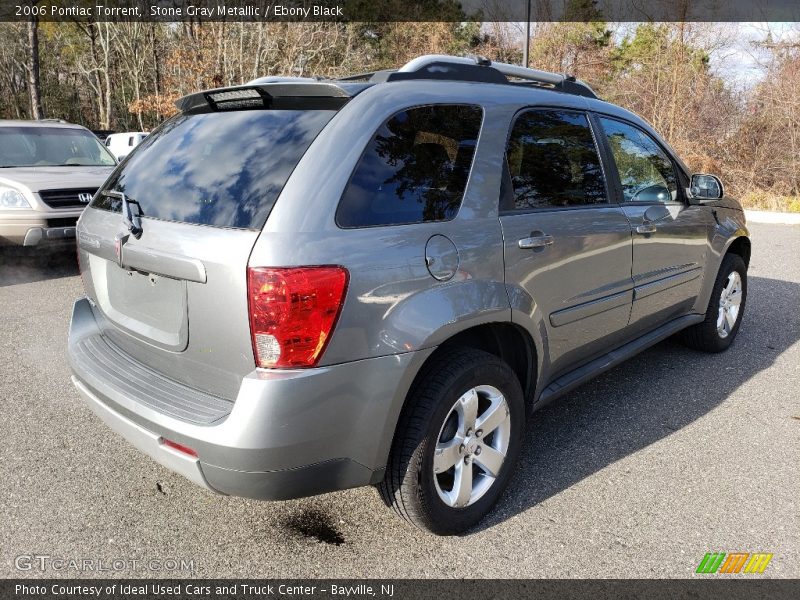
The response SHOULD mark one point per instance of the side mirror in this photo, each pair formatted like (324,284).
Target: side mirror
(706,187)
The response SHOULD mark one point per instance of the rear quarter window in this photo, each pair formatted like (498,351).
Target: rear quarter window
(224,169)
(415,168)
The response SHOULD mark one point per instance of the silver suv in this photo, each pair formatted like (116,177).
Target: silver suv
(49,171)
(299,286)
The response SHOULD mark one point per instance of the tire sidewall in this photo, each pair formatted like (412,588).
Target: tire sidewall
(729,265)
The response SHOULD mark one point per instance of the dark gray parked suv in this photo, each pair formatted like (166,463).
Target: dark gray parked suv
(299,286)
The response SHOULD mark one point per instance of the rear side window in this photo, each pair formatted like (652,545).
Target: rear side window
(553,161)
(415,168)
(224,169)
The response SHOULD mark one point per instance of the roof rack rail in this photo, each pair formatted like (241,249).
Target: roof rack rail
(366,76)
(477,68)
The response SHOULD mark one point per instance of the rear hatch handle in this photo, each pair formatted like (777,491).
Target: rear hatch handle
(158,262)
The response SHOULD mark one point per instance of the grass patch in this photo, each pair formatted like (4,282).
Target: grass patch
(762,200)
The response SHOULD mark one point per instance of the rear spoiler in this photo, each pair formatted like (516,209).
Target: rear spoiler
(286,95)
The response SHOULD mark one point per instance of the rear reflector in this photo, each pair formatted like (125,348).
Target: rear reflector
(179,447)
(293,312)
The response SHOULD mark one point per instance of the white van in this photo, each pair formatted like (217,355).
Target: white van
(121,144)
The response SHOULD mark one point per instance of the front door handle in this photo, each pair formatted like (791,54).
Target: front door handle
(539,241)
(646,227)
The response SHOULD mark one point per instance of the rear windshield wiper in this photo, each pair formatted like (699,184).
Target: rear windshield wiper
(133,223)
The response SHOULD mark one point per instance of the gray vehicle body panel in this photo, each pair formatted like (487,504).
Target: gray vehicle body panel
(599,294)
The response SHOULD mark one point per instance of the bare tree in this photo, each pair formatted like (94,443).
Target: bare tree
(133,42)
(96,66)
(34,83)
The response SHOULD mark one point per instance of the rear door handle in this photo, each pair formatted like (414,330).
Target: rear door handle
(646,227)
(539,241)
(150,260)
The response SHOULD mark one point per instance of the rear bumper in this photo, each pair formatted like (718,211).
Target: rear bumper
(288,434)
(144,440)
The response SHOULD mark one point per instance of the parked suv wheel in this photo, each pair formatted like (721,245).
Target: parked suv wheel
(456,444)
(725,309)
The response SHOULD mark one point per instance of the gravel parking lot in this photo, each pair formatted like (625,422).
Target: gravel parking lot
(637,474)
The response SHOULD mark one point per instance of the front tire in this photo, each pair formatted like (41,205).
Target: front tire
(457,442)
(725,309)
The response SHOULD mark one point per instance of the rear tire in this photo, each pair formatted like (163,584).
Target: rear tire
(456,443)
(725,309)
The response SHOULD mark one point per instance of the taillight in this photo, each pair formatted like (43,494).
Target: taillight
(292,313)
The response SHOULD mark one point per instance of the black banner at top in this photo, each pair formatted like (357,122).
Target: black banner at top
(401,10)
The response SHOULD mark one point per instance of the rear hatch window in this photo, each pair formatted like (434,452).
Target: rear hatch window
(223,169)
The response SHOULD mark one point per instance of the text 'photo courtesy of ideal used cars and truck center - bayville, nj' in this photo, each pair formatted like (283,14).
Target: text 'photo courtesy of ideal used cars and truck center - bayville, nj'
(400,299)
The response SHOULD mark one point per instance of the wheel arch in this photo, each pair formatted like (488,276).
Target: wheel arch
(506,340)
(510,343)
(740,245)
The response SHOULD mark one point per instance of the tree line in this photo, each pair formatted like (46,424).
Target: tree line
(126,76)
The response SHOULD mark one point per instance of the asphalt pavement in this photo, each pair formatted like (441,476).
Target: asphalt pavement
(639,473)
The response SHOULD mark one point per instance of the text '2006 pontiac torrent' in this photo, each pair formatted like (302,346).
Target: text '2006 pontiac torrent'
(298,286)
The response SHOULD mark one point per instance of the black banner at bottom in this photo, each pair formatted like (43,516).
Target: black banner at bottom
(387,589)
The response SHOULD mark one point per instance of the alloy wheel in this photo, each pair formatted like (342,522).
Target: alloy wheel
(730,300)
(471,446)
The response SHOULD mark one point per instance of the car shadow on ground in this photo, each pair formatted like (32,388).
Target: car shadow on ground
(27,265)
(645,400)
